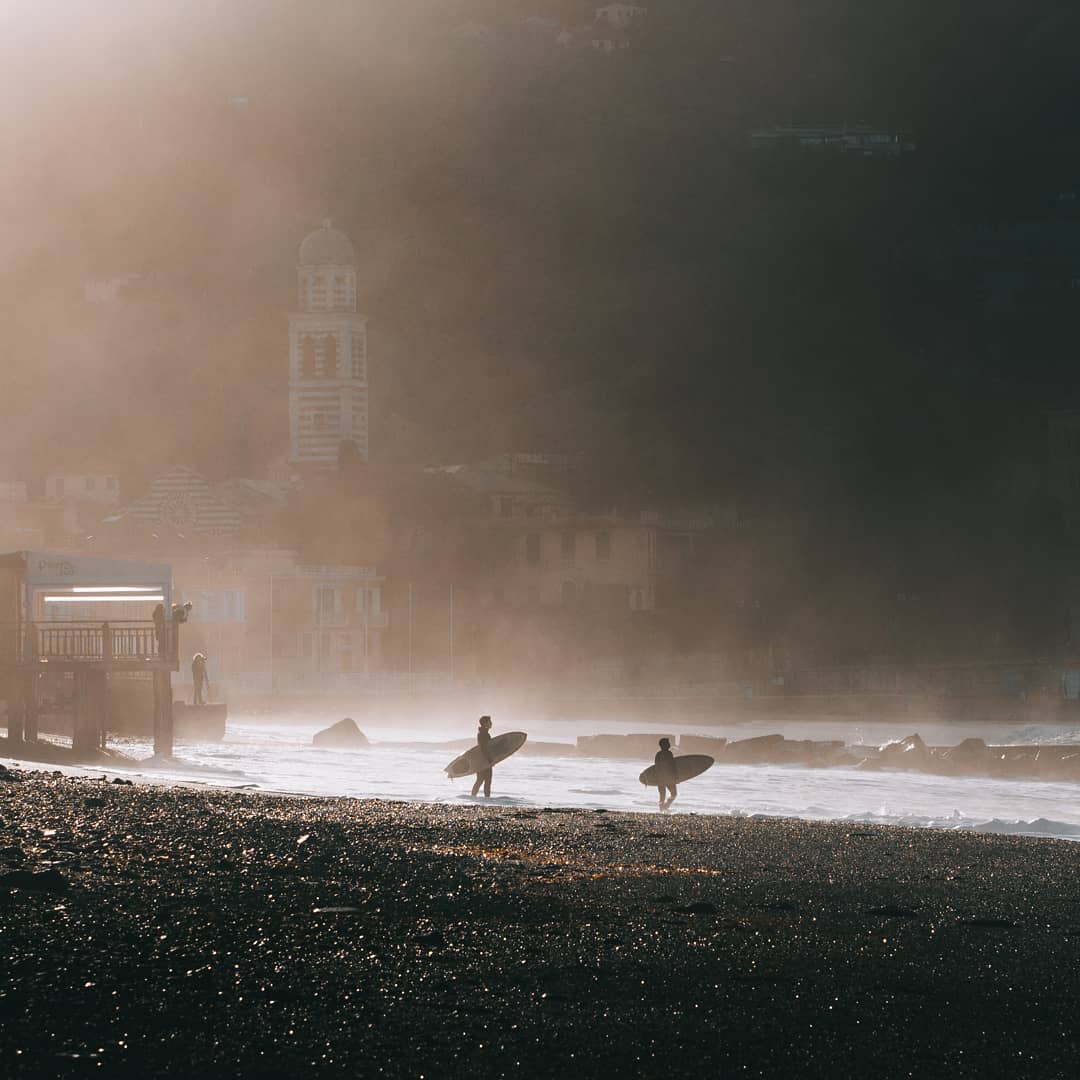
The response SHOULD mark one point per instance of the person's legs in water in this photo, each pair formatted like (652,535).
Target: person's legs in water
(663,792)
(671,797)
(483,778)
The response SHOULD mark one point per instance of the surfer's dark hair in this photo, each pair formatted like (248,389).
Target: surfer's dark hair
(665,744)
(483,718)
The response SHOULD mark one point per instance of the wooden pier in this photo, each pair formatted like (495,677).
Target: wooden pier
(39,595)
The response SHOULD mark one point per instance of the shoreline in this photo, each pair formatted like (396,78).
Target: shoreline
(252,934)
(164,774)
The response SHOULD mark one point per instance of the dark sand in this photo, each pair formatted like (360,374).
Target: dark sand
(217,933)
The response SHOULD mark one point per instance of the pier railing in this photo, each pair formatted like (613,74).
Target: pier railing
(88,642)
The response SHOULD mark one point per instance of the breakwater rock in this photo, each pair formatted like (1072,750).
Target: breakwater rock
(343,735)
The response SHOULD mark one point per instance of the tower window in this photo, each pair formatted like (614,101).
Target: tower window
(330,357)
(568,545)
(532,549)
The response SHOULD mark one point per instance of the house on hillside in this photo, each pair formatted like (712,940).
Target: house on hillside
(607,40)
(621,16)
(96,487)
(841,140)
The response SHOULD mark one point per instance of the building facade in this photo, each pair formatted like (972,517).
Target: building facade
(268,623)
(328,385)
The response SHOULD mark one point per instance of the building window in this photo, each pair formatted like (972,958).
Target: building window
(218,605)
(603,546)
(506,507)
(532,549)
(327,600)
(568,545)
(367,600)
(308,357)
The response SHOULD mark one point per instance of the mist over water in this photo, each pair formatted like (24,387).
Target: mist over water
(406,763)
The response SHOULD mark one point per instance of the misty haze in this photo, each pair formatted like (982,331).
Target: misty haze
(539,539)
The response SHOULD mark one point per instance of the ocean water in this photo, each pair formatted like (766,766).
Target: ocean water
(406,763)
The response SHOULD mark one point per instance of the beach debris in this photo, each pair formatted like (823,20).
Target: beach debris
(47,881)
(9,775)
(344,733)
(336,909)
(303,839)
(121,780)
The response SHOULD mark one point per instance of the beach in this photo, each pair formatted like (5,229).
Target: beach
(160,931)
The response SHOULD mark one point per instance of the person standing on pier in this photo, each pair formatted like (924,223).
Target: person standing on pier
(199,680)
(483,737)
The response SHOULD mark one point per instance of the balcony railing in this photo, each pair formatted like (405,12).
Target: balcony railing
(88,642)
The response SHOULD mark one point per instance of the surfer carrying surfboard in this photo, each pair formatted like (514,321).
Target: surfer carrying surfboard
(483,738)
(665,773)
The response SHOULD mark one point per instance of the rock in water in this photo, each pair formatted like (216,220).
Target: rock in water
(344,733)
(908,753)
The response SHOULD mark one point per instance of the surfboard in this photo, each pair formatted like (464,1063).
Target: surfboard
(686,768)
(474,760)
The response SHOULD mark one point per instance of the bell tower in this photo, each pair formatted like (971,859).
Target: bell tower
(328,388)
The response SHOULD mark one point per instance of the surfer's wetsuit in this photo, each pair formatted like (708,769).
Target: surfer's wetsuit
(665,775)
(483,737)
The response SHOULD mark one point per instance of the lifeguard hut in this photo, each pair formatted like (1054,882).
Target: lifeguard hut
(89,617)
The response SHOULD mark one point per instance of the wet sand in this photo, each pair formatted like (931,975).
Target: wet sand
(166,932)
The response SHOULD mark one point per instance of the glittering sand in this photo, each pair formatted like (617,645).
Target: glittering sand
(160,932)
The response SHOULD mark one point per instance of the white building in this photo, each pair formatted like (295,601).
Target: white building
(328,388)
(101,488)
(621,16)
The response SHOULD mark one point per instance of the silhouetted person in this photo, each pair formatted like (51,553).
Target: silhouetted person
(665,773)
(159,628)
(483,737)
(199,679)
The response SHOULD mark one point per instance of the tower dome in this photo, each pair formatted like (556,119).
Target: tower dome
(327,246)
